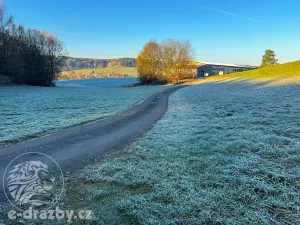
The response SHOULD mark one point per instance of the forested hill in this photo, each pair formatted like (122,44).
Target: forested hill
(85,63)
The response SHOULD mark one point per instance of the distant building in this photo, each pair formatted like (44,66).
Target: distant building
(119,75)
(210,69)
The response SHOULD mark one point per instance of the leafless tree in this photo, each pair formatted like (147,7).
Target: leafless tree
(177,59)
(29,56)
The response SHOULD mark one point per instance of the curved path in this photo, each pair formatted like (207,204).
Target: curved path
(79,146)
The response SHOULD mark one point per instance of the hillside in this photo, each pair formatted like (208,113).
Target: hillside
(232,157)
(281,70)
(118,70)
(72,63)
(98,73)
(287,73)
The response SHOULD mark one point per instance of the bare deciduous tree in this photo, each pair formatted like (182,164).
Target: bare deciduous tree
(28,56)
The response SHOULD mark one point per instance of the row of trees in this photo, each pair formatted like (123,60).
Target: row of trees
(166,62)
(85,63)
(28,56)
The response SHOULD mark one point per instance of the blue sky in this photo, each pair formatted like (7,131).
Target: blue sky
(229,31)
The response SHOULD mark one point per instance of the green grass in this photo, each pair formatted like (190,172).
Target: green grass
(278,71)
(101,72)
(118,69)
(287,73)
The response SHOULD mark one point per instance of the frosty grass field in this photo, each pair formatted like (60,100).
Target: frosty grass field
(27,112)
(224,153)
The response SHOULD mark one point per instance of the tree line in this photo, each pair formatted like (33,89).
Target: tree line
(166,62)
(28,56)
(72,63)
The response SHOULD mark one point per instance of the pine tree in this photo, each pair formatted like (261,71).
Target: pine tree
(269,58)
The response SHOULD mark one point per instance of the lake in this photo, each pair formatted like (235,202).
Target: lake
(98,82)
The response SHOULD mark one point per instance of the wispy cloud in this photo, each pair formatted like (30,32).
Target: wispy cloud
(232,14)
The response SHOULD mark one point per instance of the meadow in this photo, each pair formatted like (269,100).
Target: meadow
(27,112)
(98,72)
(226,152)
(101,83)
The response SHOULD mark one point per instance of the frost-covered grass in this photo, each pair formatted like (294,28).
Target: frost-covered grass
(99,82)
(224,153)
(27,112)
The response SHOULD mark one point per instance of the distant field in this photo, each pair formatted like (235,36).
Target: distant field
(98,72)
(99,82)
(226,152)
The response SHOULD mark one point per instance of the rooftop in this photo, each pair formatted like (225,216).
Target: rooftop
(225,64)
